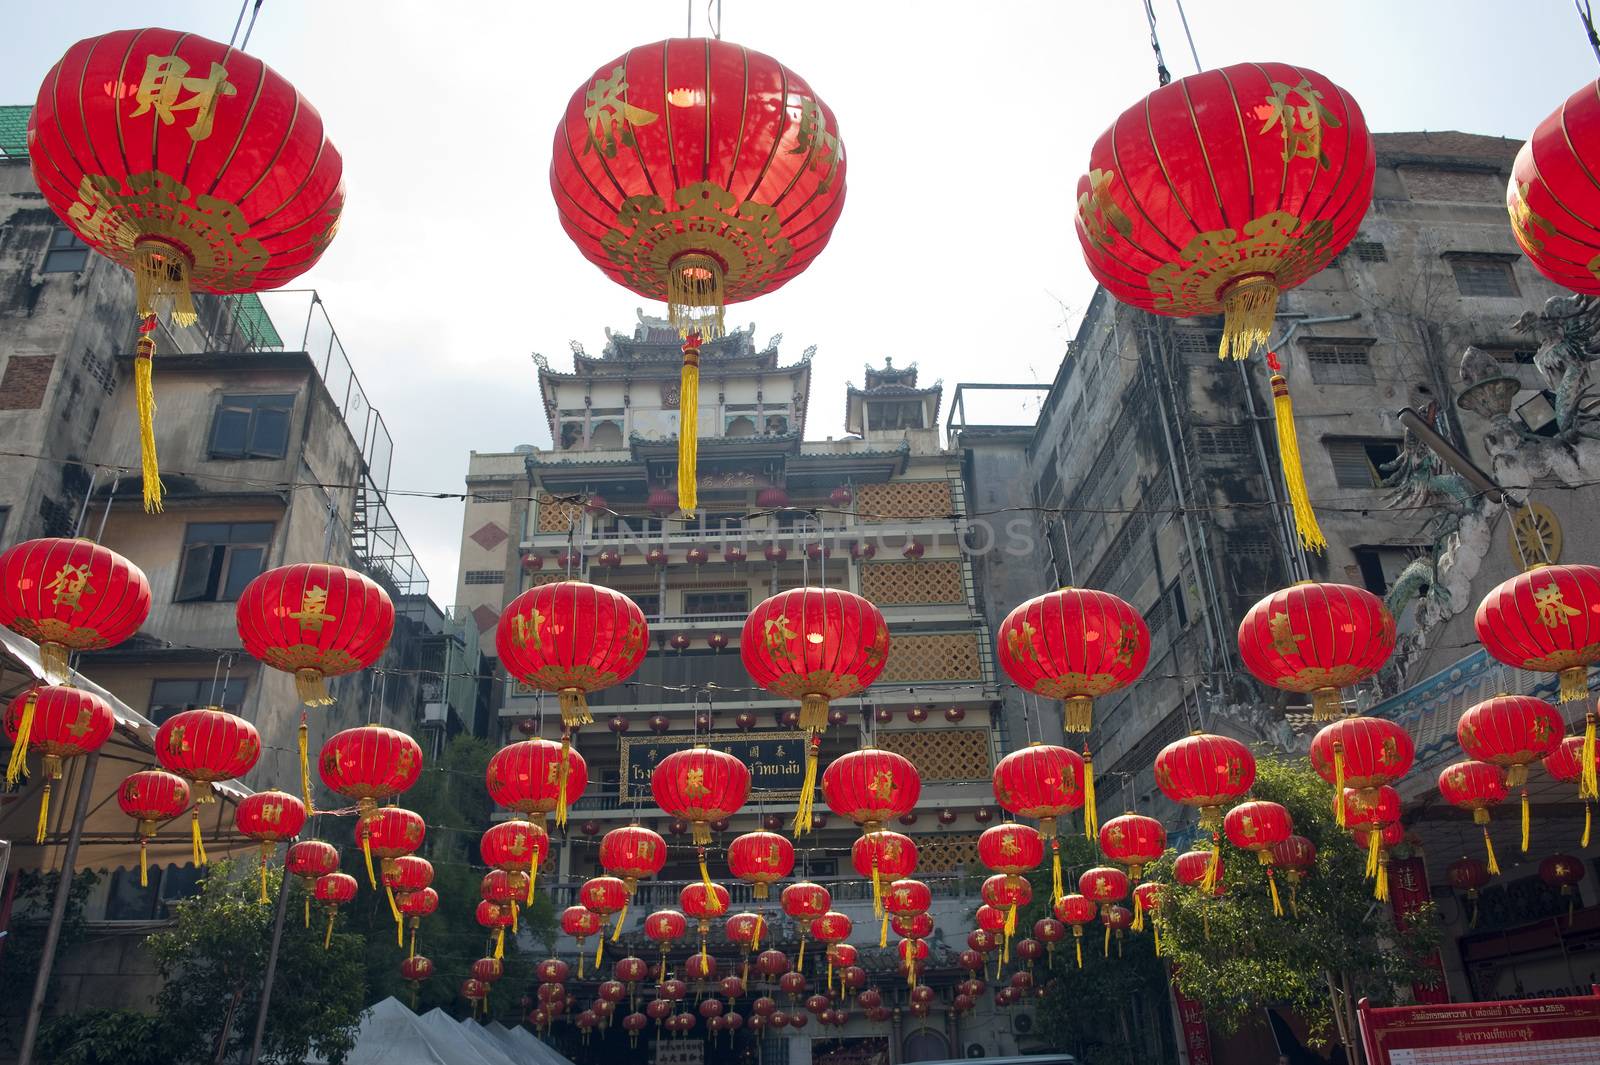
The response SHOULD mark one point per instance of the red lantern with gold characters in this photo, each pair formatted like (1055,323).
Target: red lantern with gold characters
(665,927)
(59,722)
(1563,872)
(334,890)
(871,786)
(1511,731)
(605,895)
(204,746)
(1316,639)
(1475,786)
(1011,850)
(632,853)
(1206,772)
(536,778)
(703,901)
(1147,898)
(1552,197)
(1133,840)
(190,163)
(516,847)
(315,620)
(883,856)
(1297,857)
(1568,762)
(700,173)
(389,833)
(1043,782)
(802,901)
(1546,620)
(1103,886)
(1260,826)
(152,796)
(1469,875)
(700,785)
(1363,754)
(814,644)
(1074,644)
(70,595)
(369,764)
(760,859)
(1076,911)
(269,818)
(572,638)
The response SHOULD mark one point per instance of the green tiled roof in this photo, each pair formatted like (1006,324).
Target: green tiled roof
(14,129)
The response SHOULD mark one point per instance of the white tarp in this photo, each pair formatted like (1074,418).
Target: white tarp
(390,1034)
(486,1045)
(447,1039)
(541,1052)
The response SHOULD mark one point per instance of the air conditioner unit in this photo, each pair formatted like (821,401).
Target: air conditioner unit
(1022,1023)
(435,713)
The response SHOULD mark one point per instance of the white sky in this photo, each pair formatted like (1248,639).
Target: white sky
(966,125)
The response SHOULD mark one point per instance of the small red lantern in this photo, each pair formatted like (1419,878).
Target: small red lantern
(1103,885)
(633,853)
(1511,731)
(1193,868)
(387,834)
(761,859)
(1010,850)
(814,644)
(883,855)
(1469,875)
(60,722)
(1076,911)
(269,818)
(718,642)
(912,926)
(1133,840)
(1547,620)
(1551,198)
(70,595)
(311,858)
(802,901)
(572,638)
(662,501)
(532,563)
(861,551)
(414,906)
(1043,782)
(1315,639)
(152,796)
(1260,826)
(775,553)
(515,847)
(334,890)
(580,923)
(665,927)
(733,555)
(1475,786)
(610,558)
(488,970)
(1364,753)
(680,642)
(314,620)
(407,873)
(204,746)
(1073,645)
(415,969)
(605,895)
(1147,898)
(703,901)
(1562,872)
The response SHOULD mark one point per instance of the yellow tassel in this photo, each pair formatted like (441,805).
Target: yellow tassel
(581,955)
(1106,950)
(305,764)
(199,846)
(144,863)
(1326,703)
(800,962)
(1381,890)
(513,917)
(1138,915)
(1011,921)
(327,937)
(883,932)
(366,852)
(1527,823)
(877,886)
(1374,843)
(1078,714)
(574,710)
(500,942)
(533,873)
(394,907)
(1574,684)
(1091,817)
(1213,867)
(1294,479)
(44,813)
(1058,886)
(1272,885)
(803,808)
(1588,785)
(1155,930)
(1588,814)
(1077,943)
(830,974)
(1248,308)
(17,767)
(599,952)
(814,713)
(145,402)
(713,903)
(1338,784)
(1488,845)
(689,427)
(755,940)
(308,911)
(53,661)
(622,917)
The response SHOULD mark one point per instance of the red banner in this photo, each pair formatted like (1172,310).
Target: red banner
(1192,1022)
(1408,891)
(1535,1031)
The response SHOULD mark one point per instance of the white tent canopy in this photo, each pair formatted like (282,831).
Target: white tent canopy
(391,1034)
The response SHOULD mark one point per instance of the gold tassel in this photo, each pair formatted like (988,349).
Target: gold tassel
(327,937)
(1488,845)
(1011,921)
(1077,943)
(599,951)
(1248,307)
(1588,784)
(312,689)
(814,713)
(661,978)
(1381,890)
(144,862)
(562,775)
(17,767)
(581,955)
(883,932)
(1324,702)
(53,660)
(803,808)
(533,873)
(500,942)
(394,911)
(1155,931)
(1213,867)
(305,764)
(513,917)
(1272,885)
(1374,842)
(145,402)
(308,910)
(412,947)
(1058,886)
(1078,713)
(1138,914)
(266,849)
(1588,815)
(1527,823)
(622,917)
(44,812)
(713,904)
(199,846)
(574,711)
(1574,684)
(877,885)
(755,940)
(159,275)
(1091,817)
(689,424)
(1338,784)
(800,962)
(1106,950)
(366,852)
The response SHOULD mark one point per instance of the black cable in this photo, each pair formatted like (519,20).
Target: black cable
(1163,75)
(250,28)
(1586,16)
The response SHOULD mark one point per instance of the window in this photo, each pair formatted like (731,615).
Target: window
(1369,251)
(650,604)
(220,559)
(1339,364)
(492,495)
(251,427)
(1222,441)
(67,254)
(1356,462)
(169,697)
(716,602)
(483,576)
(1482,276)
(1381,566)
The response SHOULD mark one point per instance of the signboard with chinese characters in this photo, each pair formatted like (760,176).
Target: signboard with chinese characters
(776,760)
(680,1051)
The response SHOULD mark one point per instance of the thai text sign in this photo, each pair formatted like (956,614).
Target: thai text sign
(776,760)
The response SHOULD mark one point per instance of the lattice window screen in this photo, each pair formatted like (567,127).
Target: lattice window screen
(903,499)
(912,582)
(942,656)
(942,753)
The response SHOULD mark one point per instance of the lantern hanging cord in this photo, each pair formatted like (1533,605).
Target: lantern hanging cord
(1184,18)
(1586,16)
(1163,75)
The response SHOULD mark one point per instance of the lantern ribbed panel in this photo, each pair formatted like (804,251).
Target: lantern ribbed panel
(335,889)
(1554,194)
(1205,771)
(66,721)
(871,786)
(269,816)
(316,616)
(1374,750)
(571,635)
(1295,852)
(370,762)
(1512,731)
(207,745)
(152,795)
(495,915)
(523,776)
(1313,637)
(632,853)
(1473,785)
(1010,849)
(1547,620)
(71,593)
(511,845)
(814,641)
(1189,868)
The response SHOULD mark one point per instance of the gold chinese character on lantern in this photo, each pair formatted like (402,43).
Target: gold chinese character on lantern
(1553,609)
(69,585)
(1020,642)
(778,633)
(1127,643)
(606,109)
(1302,123)
(164,82)
(1008,845)
(694,784)
(525,630)
(882,785)
(811,135)
(1285,640)
(313,612)
(1099,213)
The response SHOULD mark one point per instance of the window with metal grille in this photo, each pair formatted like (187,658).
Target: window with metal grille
(716,602)
(1339,364)
(1356,462)
(1369,251)
(251,427)
(483,576)
(492,495)
(219,559)
(67,254)
(1483,277)
(1222,441)
(169,697)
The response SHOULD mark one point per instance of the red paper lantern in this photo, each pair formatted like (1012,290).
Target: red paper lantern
(1010,850)
(333,890)
(700,785)
(1076,911)
(1205,772)
(311,858)
(60,722)
(536,778)
(415,969)
(1469,875)
(1554,207)
(1103,885)
(70,595)
(1297,855)
(881,856)
(761,859)
(871,786)
(1315,639)
(151,797)
(269,818)
(1547,620)
(1043,782)
(369,764)
(1260,826)
(1371,806)
(700,173)
(314,620)
(515,847)
(912,926)
(1074,644)
(832,927)
(1189,868)
(192,164)
(632,853)
(905,897)
(1362,753)
(204,746)
(1568,762)
(1475,786)
(407,873)
(1511,731)
(661,501)
(1562,872)
(572,638)
(1147,898)
(1133,840)
(387,834)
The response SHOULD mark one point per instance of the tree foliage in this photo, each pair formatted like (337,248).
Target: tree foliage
(24,945)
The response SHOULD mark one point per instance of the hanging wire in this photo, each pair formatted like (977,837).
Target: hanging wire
(1163,75)
(237,23)
(250,28)
(716,26)
(1586,16)
(1185,20)
(222,660)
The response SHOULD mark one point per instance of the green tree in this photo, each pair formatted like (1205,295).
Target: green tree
(111,1037)
(24,944)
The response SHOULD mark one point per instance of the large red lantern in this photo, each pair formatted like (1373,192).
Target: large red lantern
(70,595)
(1260,826)
(369,764)
(204,746)
(151,796)
(1552,199)
(1205,772)
(1316,639)
(632,853)
(190,163)
(700,173)
(1361,753)
(1547,620)
(572,638)
(1043,782)
(1074,644)
(537,777)
(1511,731)
(1133,840)
(1475,786)
(700,785)
(871,786)
(760,859)
(814,644)
(269,818)
(60,722)
(315,620)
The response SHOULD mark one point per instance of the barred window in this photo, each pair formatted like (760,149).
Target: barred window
(1484,276)
(1339,364)
(1222,441)
(483,576)
(1369,251)
(1356,462)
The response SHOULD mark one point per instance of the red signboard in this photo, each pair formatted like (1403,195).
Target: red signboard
(1192,1022)
(1408,890)
(1535,1031)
